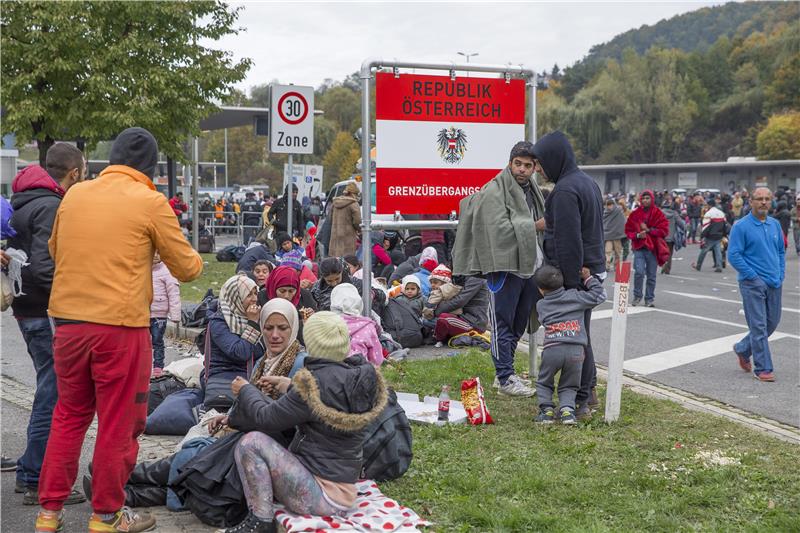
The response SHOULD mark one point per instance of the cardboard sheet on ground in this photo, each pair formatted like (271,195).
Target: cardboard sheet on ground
(427,410)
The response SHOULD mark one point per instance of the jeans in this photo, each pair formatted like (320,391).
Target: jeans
(644,263)
(695,223)
(157,328)
(715,246)
(762,310)
(39,339)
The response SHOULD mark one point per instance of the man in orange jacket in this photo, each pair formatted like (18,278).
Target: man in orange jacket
(100,303)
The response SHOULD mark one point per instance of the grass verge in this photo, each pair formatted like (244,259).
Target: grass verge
(660,468)
(214,275)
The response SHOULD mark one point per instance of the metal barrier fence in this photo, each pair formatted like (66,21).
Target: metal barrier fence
(228,228)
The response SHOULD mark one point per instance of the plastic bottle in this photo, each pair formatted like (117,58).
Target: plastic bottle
(444,405)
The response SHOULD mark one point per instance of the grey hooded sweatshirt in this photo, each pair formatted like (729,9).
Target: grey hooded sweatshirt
(561,312)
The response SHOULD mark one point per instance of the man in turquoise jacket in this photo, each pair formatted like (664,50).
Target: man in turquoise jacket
(756,251)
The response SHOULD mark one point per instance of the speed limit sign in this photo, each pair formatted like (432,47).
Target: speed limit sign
(291,128)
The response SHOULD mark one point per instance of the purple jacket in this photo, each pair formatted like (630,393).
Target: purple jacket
(166,294)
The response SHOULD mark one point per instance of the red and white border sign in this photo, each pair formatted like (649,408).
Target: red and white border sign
(441,139)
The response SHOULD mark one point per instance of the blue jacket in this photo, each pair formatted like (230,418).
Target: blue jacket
(573,212)
(230,354)
(755,249)
(423,274)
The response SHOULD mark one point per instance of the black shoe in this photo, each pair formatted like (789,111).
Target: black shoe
(650,304)
(8,465)
(253,524)
(87,486)
(20,487)
(635,302)
(31,497)
(717,270)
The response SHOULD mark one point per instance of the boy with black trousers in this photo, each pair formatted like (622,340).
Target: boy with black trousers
(561,311)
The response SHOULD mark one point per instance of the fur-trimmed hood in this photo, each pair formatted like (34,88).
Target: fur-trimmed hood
(345,395)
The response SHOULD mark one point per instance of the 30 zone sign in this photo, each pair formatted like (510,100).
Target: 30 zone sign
(291,129)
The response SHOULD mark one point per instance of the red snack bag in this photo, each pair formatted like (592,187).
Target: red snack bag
(474,402)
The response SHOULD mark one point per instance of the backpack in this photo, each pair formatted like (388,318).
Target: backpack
(160,388)
(205,244)
(402,323)
(387,444)
(194,315)
(230,254)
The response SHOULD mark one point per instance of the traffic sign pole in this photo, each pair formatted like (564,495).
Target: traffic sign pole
(289,192)
(616,353)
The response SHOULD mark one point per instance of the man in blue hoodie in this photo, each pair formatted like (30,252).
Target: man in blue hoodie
(756,251)
(573,236)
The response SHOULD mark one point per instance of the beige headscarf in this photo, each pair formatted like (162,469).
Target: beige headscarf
(281,364)
(231,304)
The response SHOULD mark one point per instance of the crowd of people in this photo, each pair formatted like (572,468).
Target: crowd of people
(291,357)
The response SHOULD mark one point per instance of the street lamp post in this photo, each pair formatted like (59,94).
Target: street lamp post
(467,55)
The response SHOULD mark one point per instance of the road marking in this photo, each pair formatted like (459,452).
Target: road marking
(717,321)
(658,362)
(682,277)
(606,313)
(726,284)
(737,302)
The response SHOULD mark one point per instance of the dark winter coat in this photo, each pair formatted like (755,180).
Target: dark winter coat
(321,292)
(35,202)
(613,224)
(573,212)
(279,215)
(230,354)
(253,255)
(409,266)
(675,222)
(473,299)
(330,403)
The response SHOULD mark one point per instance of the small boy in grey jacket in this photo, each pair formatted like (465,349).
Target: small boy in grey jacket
(561,313)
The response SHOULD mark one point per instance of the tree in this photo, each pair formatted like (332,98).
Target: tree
(245,150)
(342,106)
(87,70)
(340,161)
(780,138)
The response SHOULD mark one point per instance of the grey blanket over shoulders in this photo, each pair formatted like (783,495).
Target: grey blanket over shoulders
(496,232)
(613,224)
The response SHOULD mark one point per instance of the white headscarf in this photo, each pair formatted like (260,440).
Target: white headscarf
(285,309)
(429,253)
(345,300)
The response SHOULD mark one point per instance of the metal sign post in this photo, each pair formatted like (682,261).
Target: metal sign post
(291,131)
(616,353)
(365,74)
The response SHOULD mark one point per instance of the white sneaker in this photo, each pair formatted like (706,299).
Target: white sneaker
(438,344)
(526,382)
(515,387)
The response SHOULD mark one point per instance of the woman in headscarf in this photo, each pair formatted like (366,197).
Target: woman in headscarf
(332,400)
(233,336)
(284,282)
(364,331)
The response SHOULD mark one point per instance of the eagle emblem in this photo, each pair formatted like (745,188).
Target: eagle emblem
(452,144)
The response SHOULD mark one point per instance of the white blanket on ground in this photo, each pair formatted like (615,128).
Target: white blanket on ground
(372,512)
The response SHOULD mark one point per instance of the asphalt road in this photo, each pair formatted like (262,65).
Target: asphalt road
(686,341)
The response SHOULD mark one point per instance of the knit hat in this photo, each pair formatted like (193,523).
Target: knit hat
(326,336)
(411,278)
(293,258)
(442,273)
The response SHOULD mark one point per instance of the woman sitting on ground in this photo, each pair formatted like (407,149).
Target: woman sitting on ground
(330,402)
(331,273)
(233,336)
(284,282)
(284,356)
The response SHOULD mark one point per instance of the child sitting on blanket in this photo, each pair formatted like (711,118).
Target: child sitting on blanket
(442,289)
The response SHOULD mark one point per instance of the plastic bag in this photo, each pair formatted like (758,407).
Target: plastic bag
(474,402)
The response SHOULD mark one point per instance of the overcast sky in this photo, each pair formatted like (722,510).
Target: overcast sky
(304,42)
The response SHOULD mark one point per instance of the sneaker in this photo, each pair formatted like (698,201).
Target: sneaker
(49,521)
(31,497)
(765,376)
(20,487)
(635,302)
(546,416)
(717,270)
(651,303)
(438,344)
(8,465)
(744,362)
(583,412)
(252,524)
(567,417)
(526,382)
(123,520)
(515,387)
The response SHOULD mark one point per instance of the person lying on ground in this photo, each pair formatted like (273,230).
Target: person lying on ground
(330,402)
(364,331)
(233,343)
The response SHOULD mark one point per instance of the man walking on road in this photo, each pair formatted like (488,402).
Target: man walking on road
(500,238)
(100,302)
(644,227)
(573,237)
(715,228)
(37,195)
(756,251)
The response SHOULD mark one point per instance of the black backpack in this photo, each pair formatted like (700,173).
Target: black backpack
(160,388)
(195,315)
(230,254)
(402,323)
(387,444)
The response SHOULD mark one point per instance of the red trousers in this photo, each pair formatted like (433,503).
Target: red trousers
(102,369)
(448,325)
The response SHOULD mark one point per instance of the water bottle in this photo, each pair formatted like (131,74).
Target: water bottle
(444,405)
